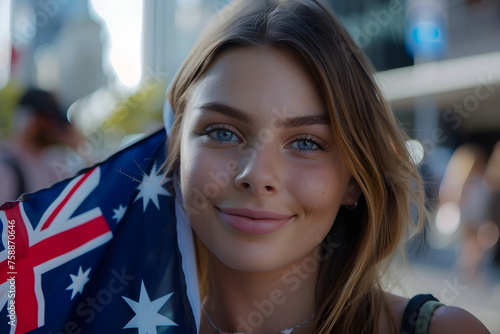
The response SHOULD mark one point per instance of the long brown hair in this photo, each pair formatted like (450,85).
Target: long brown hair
(348,295)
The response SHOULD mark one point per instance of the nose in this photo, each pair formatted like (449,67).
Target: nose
(260,171)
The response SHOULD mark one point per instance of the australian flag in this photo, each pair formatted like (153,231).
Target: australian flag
(103,252)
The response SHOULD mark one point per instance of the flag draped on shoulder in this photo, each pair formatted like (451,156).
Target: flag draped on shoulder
(98,253)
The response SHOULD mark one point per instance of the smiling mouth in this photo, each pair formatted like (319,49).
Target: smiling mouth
(255,222)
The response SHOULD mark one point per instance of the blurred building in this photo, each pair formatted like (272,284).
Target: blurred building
(378,29)
(57,46)
(158,36)
(170,29)
(461,86)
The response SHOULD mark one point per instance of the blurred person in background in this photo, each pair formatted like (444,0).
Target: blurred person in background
(492,176)
(34,156)
(466,185)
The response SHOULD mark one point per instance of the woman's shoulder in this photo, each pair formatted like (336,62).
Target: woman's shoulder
(451,319)
(444,319)
(396,305)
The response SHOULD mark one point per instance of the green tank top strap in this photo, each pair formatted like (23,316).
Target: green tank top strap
(418,314)
(425,315)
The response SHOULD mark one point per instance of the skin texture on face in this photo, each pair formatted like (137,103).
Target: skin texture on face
(256,136)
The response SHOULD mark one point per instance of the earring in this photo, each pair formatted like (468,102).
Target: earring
(351,207)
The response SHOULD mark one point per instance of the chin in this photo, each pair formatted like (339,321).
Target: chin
(250,265)
(251,256)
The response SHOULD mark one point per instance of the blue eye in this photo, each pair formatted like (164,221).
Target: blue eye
(223,135)
(220,133)
(305,145)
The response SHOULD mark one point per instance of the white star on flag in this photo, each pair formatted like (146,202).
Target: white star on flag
(151,187)
(119,213)
(79,281)
(146,313)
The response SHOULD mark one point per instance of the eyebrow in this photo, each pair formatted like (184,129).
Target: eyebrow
(226,111)
(244,117)
(298,121)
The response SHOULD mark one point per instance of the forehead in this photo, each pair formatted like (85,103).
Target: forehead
(260,77)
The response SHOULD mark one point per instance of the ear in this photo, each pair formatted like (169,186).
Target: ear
(352,194)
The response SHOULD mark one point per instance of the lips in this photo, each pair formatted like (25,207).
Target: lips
(255,222)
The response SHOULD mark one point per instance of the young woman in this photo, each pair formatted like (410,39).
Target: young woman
(294,177)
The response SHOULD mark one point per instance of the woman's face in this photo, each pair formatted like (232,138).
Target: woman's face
(261,177)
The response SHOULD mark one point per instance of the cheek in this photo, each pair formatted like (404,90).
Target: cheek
(320,191)
(197,171)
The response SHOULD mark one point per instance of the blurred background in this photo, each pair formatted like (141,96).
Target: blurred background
(81,78)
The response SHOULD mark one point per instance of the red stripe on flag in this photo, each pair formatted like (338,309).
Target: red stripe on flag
(67,241)
(48,249)
(27,305)
(56,211)
(20,242)
(25,300)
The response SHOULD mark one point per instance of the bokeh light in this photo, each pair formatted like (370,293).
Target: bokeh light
(123,20)
(448,218)
(416,151)
(5,47)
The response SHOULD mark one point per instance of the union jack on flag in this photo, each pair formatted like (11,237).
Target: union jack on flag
(102,252)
